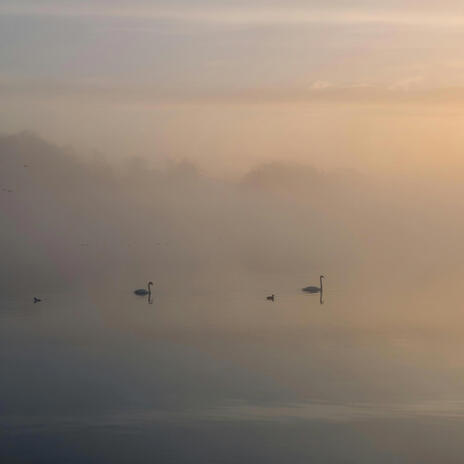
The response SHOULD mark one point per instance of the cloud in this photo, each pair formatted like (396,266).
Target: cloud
(208,13)
(320,85)
(408,83)
(415,88)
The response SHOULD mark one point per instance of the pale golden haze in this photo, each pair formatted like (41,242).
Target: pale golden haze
(226,151)
(375,86)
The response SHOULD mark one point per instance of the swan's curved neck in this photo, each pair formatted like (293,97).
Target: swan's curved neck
(320,279)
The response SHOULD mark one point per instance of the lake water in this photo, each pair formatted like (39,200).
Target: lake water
(211,372)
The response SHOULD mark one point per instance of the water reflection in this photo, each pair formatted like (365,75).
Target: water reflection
(221,364)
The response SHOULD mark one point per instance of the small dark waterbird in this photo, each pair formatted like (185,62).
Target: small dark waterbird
(37,300)
(270,298)
(312,289)
(144,291)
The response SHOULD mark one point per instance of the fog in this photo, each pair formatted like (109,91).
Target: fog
(229,151)
(69,220)
(103,372)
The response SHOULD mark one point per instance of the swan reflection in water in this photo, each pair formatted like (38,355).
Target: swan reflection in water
(313,289)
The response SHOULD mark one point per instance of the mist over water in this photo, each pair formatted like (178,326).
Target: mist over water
(211,371)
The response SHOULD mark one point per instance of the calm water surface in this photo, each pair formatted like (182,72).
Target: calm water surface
(212,372)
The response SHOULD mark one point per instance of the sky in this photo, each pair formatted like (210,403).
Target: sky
(339,84)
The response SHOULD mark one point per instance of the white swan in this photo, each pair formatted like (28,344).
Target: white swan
(144,291)
(312,289)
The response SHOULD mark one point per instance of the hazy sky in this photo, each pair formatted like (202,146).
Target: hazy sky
(185,46)
(212,79)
